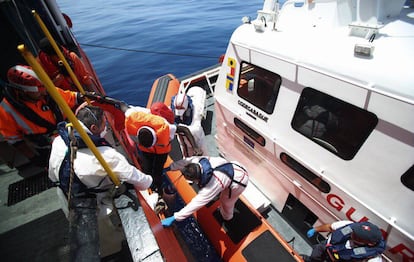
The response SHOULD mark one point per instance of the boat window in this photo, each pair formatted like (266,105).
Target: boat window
(250,132)
(259,86)
(315,180)
(336,125)
(408,178)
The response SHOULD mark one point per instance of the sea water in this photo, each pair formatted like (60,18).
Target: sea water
(131,43)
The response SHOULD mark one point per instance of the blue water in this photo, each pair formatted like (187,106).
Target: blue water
(160,37)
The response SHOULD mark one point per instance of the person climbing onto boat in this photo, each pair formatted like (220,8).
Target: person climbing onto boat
(161,109)
(186,114)
(214,175)
(348,241)
(91,179)
(28,115)
(56,70)
(153,134)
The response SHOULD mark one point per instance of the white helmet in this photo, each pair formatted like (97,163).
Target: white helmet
(180,104)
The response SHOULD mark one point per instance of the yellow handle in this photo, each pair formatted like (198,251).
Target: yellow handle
(51,89)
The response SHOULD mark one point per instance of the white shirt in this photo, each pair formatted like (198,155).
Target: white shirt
(217,183)
(91,172)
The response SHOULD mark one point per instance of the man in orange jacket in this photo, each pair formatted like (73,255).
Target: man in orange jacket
(57,72)
(153,130)
(28,116)
(153,134)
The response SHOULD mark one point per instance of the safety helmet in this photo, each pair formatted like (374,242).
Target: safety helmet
(161,109)
(180,104)
(24,78)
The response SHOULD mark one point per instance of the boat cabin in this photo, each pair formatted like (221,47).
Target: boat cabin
(317,101)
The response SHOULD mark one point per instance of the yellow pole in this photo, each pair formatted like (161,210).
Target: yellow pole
(58,52)
(65,108)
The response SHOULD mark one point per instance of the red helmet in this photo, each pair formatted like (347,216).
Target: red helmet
(161,109)
(24,78)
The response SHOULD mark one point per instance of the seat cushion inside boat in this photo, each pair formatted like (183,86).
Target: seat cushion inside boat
(266,248)
(243,222)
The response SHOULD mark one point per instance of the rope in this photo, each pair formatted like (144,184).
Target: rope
(73,148)
(149,52)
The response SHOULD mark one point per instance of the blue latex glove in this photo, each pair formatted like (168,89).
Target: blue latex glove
(311,232)
(167,222)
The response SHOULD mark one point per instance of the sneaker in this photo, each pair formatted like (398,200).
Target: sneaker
(160,207)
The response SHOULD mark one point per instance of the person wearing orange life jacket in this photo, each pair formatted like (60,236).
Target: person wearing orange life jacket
(153,134)
(153,130)
(56,70)
(28,114)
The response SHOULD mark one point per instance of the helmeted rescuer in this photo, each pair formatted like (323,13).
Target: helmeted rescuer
(183,108)
(27,111)
(186,113)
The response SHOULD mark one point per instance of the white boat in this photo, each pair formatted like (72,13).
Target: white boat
(317,101)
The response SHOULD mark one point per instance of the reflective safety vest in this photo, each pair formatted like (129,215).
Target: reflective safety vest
(208,170)
(21,118)
(136,120)
(337,250)
(78,188)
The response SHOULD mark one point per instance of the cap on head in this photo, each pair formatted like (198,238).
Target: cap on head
(180,104)
(367,233)
(24,78)
(146,136)
(192,171)
(161,109)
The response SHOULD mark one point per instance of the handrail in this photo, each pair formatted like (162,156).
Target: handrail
(51,89)
(58,52)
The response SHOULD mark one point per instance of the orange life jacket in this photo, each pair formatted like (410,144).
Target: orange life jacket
(59,75)
(136,120)
(14,124)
